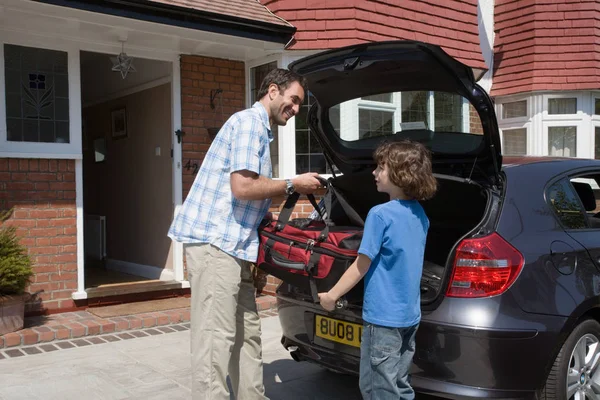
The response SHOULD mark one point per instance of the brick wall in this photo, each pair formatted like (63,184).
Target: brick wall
(200,76)
(42,196)
(474,121)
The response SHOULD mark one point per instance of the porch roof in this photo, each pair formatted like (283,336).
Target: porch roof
(243,18)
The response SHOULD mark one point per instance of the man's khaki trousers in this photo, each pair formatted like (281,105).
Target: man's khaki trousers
(225,327)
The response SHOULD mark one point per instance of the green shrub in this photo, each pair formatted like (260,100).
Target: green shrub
(15,264)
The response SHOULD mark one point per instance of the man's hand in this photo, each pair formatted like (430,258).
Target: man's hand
(327,302)
(307,183)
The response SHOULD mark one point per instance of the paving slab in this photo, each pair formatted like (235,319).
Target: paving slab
(156,367)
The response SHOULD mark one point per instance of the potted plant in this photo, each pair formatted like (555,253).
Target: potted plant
(15,274)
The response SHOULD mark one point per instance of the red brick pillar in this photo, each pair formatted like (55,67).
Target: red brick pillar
(200,76)
(42,196)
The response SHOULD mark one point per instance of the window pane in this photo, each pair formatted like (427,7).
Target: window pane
(562,141)
(597,107)
(514,142)
(515,109)
(309,153)
(597,143)
(37,94)
(566,205)
(373,123)
(257,74)
(414,107)
(383,97)
(447,112)
(562,106)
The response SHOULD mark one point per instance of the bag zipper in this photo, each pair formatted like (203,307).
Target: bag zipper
(317,247)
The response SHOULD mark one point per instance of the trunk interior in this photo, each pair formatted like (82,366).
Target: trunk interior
(455,210)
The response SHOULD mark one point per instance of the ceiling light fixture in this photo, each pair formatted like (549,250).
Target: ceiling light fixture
(123,63)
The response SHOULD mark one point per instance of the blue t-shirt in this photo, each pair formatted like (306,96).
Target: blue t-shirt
(394,240)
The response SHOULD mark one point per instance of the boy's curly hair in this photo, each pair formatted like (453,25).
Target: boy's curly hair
(409,165)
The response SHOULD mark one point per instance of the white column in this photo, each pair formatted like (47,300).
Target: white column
(485,24)
(75,138)
(177,157)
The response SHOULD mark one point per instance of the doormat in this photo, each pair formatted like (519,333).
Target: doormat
(141,307)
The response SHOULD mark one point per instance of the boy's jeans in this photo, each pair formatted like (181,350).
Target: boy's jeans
(385,358)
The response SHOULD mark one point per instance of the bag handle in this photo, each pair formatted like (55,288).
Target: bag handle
(350,212)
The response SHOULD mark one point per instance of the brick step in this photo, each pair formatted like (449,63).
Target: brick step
(81,324)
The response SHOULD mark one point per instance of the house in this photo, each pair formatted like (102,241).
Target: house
(95,157)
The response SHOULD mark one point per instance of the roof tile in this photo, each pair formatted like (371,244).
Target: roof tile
(245,9)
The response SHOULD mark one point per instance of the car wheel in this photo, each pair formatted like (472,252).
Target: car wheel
(575,374)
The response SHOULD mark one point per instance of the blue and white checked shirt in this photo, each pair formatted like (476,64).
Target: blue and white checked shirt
(210,213)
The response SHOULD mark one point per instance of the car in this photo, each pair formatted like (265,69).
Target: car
(510,292)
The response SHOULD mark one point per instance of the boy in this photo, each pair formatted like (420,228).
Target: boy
(391,257)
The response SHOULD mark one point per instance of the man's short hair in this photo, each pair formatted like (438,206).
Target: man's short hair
(281,77)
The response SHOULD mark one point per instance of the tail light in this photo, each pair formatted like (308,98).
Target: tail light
(484,267)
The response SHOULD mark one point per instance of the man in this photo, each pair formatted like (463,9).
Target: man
(218,224)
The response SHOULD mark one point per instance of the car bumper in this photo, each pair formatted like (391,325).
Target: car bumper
(453,360)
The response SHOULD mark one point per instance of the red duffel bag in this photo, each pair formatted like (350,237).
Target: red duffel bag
(307,253)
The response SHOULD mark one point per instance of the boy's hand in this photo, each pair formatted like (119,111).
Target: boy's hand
(327,302)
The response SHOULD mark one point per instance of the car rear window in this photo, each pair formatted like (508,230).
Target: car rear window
(445,122)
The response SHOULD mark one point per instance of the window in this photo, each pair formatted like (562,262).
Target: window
(430,117)
(566,205)
(257,74)
(37,95)
(562,141)
(515,109)
(414,107)
(309,153)
(597,106)
(557,106)
(514,142)
(447,112)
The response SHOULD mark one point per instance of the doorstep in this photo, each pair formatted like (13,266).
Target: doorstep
(81,324)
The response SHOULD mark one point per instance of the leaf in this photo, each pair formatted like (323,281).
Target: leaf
(29,94)
(47,94)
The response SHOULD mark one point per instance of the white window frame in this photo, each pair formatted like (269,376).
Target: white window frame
(525,126)
(562,117)
(514,120)
(582,145)
(71,150)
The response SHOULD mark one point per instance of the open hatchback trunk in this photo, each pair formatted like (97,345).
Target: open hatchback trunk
(393,91)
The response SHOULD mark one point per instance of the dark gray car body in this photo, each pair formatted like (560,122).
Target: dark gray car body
(495,347)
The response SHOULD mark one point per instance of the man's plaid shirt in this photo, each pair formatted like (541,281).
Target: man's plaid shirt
(210,213)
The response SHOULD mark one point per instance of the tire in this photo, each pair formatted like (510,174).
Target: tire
(576,367)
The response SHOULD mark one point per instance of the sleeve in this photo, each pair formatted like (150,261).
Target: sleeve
(372,236)
(246,146)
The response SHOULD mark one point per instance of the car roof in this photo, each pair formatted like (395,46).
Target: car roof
(540,167)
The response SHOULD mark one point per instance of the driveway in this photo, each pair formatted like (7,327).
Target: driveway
(154,364)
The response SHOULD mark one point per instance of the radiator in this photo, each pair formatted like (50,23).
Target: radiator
(94,230)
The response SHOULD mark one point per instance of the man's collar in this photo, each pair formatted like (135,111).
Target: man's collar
(264,117)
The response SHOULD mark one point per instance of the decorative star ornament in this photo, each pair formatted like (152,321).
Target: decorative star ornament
(123,64)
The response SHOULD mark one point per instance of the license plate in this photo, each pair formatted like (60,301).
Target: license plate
(338,331)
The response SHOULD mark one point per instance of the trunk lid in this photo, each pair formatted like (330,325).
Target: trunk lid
(389,91)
